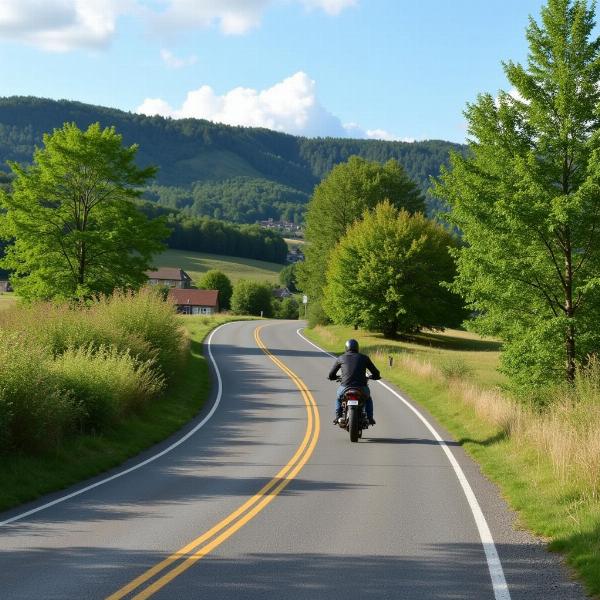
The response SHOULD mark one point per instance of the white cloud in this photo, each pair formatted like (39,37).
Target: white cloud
(234,17)
(331,7)
(290,106)
(355,130)
(64,25)
(175,62)
(61,25)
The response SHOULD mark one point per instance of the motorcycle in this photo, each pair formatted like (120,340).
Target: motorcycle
(354,415)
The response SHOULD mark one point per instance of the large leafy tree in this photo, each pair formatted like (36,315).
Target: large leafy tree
(342,198)
(217,280)
(527,199)
(387,274)
(74,227)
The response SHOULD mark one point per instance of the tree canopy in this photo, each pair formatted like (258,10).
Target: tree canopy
(386,274)
(217,280)
(339,200)
(73,227)
(527,199)
(252,298)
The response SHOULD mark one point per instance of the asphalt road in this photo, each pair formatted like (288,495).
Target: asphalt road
(268,500)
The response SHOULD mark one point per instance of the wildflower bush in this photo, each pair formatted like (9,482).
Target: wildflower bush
(80,368)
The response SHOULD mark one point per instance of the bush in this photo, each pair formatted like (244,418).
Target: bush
(106,383)
(217,280)
(68,366)
(252,298)
(287,308)
(144,316)
(316,315)
(35,411)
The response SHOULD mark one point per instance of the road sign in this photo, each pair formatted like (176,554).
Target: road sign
(305,299)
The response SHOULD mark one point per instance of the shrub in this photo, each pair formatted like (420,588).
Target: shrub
(106,383)
(286,309)
(145,316)
(35,411)
(316,315)
(252,298)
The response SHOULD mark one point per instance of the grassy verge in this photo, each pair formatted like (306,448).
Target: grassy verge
(546,465)
(7,300)
(27,477)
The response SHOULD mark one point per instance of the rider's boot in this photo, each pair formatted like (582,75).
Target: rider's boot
(338,415)
(372,421)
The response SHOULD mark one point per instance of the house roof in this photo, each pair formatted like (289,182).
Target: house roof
(170,273)
(194,297)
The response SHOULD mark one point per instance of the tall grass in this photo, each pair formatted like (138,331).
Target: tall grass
(66,368)
(566,431)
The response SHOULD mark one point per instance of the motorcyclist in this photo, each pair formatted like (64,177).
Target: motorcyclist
(354,367)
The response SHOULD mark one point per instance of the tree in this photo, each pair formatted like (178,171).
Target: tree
(74,227)
(288,277)
(288,308)
(386,274)
(527,199)
(342,198)
(252,298)
(217,280)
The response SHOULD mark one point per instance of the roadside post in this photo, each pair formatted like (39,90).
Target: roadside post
(305,302)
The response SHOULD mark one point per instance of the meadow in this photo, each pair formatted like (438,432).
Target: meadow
(196,263)
(545,460)
(7,300)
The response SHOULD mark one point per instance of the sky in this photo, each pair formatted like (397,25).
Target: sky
(386,69)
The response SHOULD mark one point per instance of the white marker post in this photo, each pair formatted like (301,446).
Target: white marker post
(305,302)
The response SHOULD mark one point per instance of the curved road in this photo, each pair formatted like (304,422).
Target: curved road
(267,499)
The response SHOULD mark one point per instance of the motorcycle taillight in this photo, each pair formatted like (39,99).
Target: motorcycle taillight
(352,396)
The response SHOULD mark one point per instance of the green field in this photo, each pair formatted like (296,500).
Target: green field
(196,263)
(7,299)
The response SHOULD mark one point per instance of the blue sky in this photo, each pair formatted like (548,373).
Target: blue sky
(396,69)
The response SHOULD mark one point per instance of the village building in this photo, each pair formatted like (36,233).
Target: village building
(281,293)
(169,277)
(195,302)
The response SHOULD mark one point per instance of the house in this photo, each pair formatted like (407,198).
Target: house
(195,302)
(294,256)
(170,277)
(281,293)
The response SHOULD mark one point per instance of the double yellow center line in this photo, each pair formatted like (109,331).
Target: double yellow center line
(181,560)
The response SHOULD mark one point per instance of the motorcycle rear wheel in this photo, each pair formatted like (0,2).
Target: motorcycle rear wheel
(353,425)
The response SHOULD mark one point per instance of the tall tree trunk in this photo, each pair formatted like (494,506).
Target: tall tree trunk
(82,264)
(570,362)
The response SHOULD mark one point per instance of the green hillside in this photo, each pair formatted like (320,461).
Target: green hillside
(196,263)
(239,173)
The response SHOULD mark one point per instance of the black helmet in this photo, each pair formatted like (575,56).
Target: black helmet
(351,346)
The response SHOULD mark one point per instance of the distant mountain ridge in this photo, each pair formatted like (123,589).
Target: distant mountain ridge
(239,173)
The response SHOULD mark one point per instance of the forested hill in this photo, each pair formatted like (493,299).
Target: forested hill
(238,173)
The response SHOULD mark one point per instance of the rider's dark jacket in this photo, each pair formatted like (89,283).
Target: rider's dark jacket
(354,366)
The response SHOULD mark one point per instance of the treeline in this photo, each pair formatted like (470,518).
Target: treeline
(239,200)
(192,150)
(201,234)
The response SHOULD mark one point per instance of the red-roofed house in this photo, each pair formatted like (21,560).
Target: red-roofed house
(195,302)
(171,277)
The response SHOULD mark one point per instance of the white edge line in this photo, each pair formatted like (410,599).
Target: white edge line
(148,460)
(499,584)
